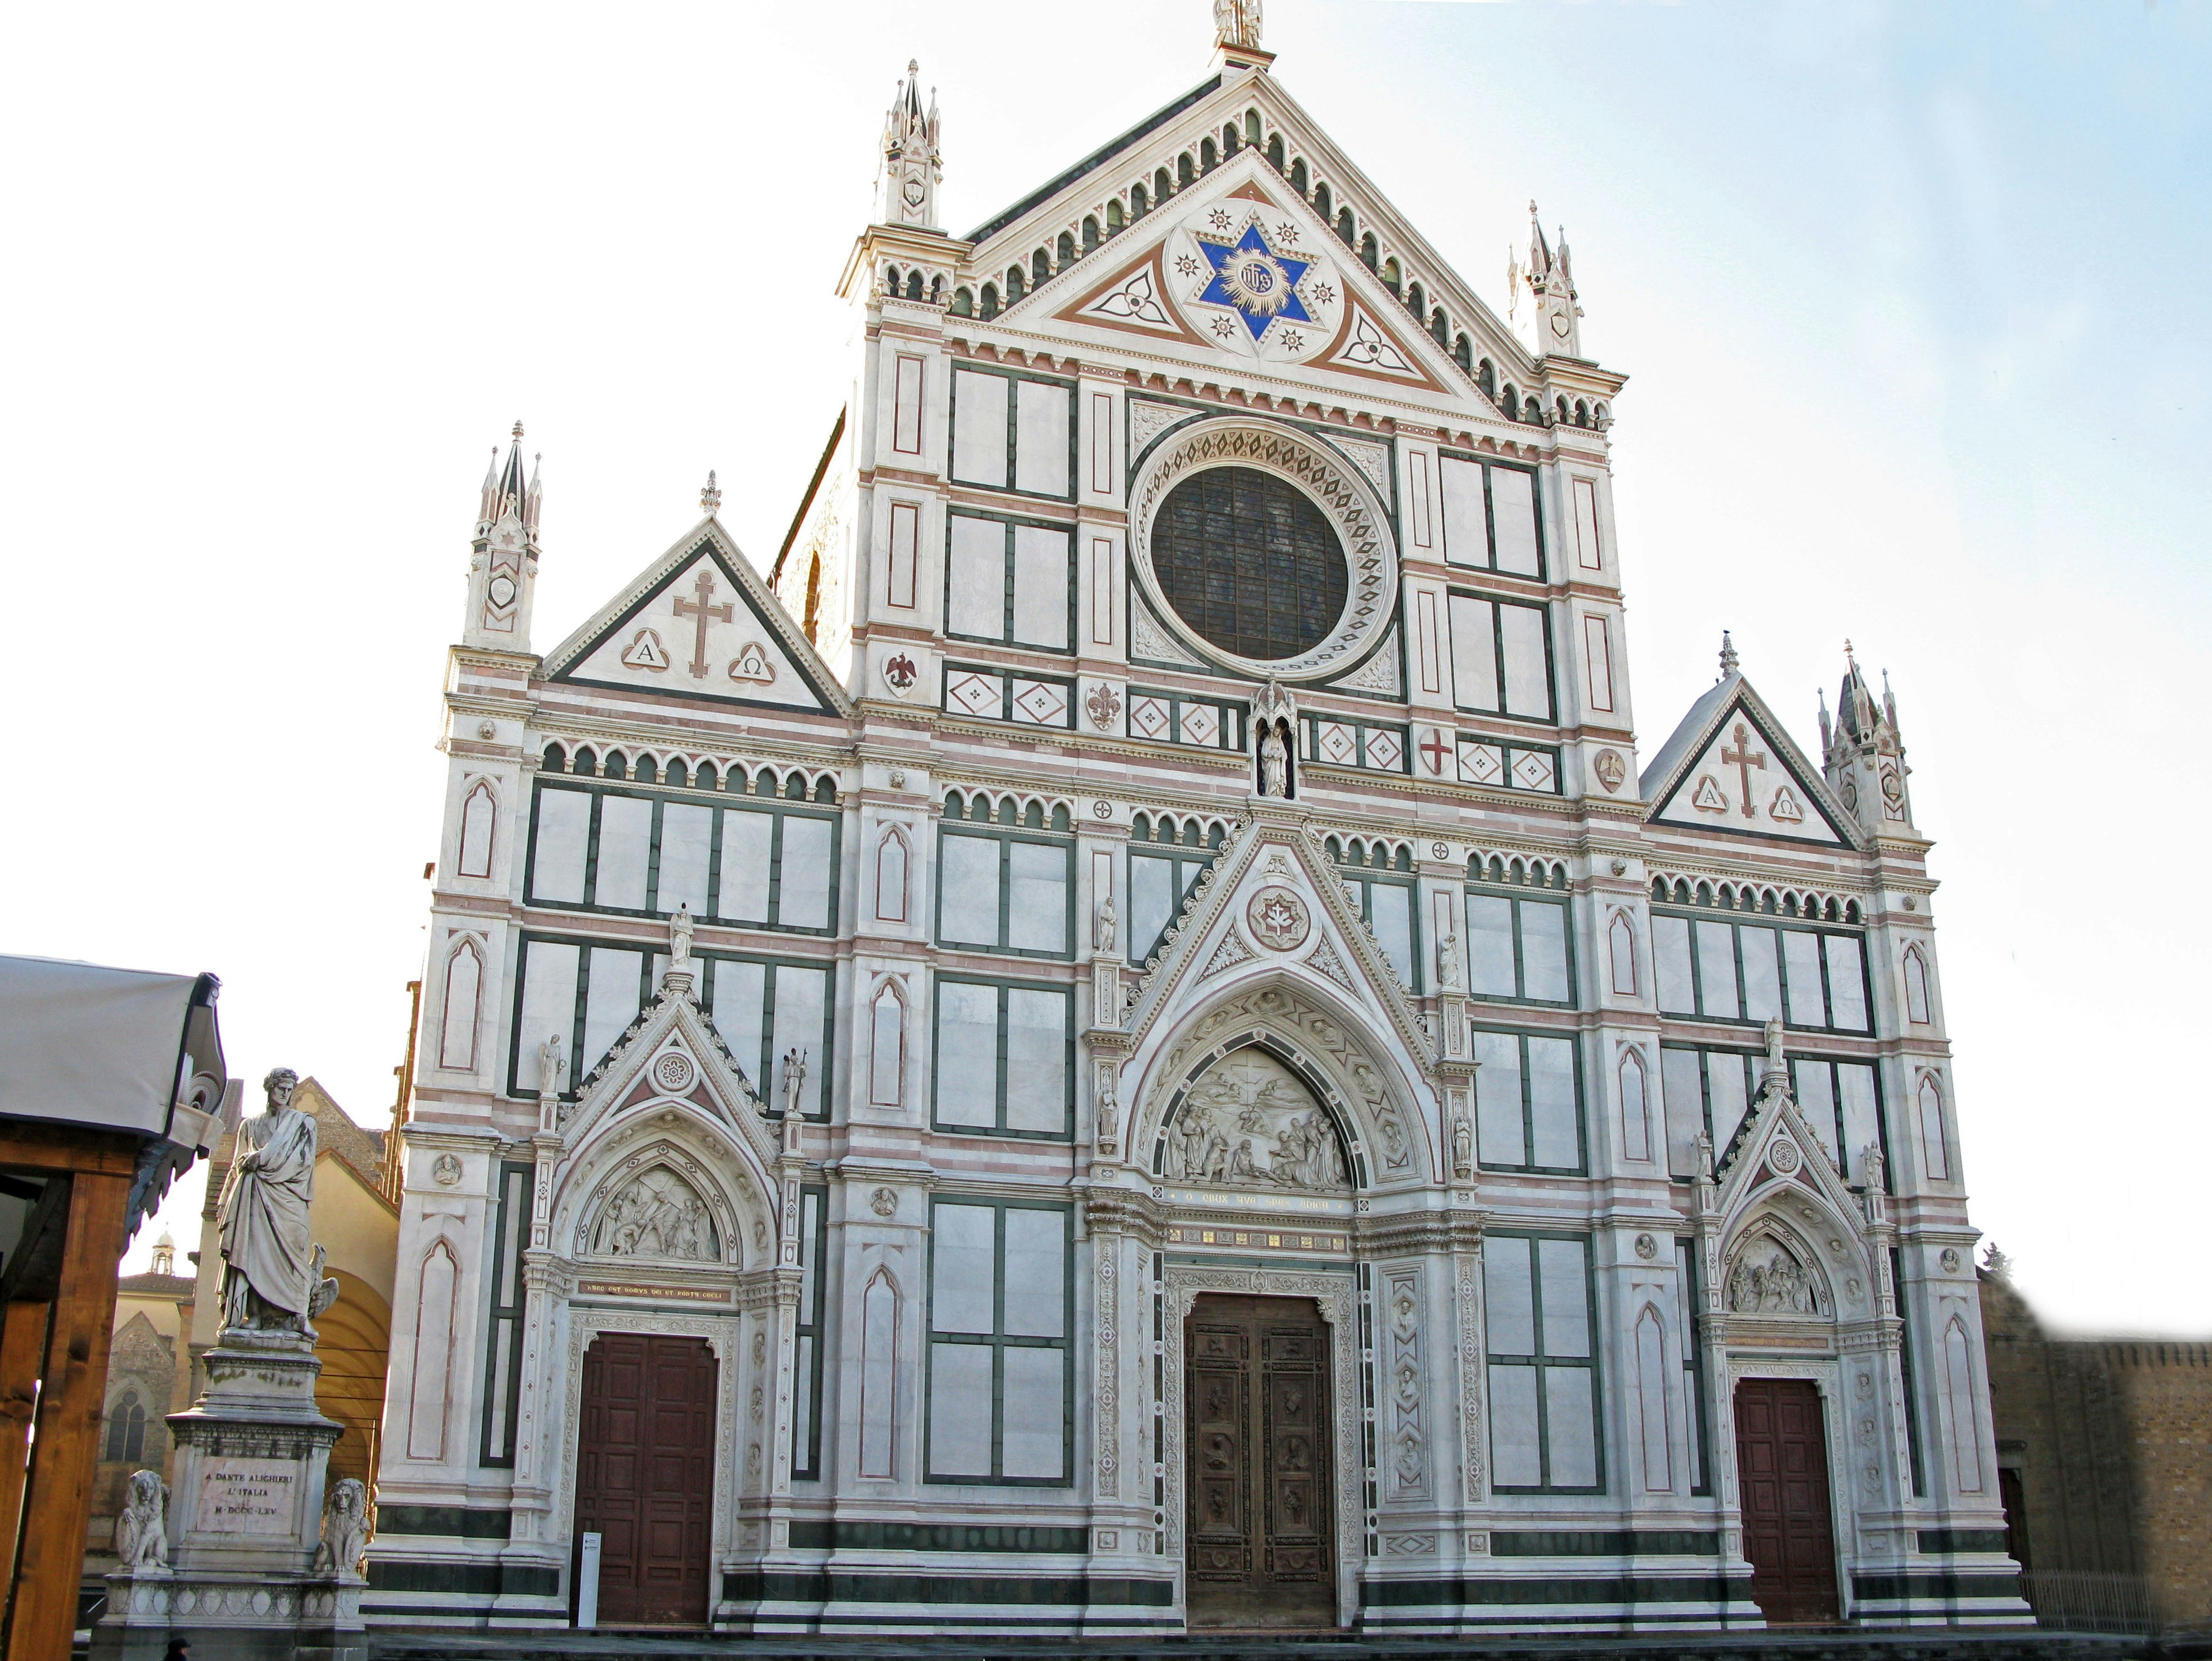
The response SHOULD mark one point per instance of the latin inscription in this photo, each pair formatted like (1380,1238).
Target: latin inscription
(247,1496)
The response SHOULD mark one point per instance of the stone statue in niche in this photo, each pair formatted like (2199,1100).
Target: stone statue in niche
(1107,926)
(142,1532)
(680,927)
(345,1530)
(1769,1281)
(794,1081)
(1249,1123)
(552,1067)
(1107,1131)
(269,1272)
(658,1214)
(1448,964)
(1463,1147)
(1274,762)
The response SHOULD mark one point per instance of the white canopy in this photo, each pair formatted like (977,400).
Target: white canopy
(110,1049)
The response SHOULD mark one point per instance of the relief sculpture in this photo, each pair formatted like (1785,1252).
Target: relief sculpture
(656,1215)
(1249,1124)
(1769,1281)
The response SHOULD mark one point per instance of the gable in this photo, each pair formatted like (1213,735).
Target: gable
(1240,263)
(699,625)
(1747,778)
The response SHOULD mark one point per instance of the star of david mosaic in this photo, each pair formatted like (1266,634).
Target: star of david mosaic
(1255,282)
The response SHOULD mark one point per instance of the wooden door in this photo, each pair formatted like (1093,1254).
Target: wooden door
(1782,1470)
(1258,1485)
(645,1474)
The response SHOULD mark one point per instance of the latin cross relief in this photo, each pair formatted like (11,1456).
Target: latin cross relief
(1747,777)
(1743,758)
(705,612)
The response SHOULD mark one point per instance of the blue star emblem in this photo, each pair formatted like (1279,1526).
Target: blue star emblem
(1254,281)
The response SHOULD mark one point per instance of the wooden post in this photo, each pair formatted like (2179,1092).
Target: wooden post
(22,1347)
(51,1563)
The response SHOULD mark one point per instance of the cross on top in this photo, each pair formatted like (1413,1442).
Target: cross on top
(1743,759)
(724,613)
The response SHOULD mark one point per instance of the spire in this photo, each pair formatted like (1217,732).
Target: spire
(1552,280)
(710,497)
(906,187)
(1729,658)
(504,565)
(1863,755)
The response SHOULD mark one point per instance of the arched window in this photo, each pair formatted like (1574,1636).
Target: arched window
(1439,325)
(1560,403)
(937,290)
(1634,1107)
(1065,249)
(1040,266)
(890,877)
(1140,202)
(1582,413)
(990,300)
(1935,1148)
(1345,231)
(1391,275)
(891,281)
(887,1046)
(1184,172)
(1916,986)
(1485,376)
(1161,188)
(1275,152)
(1090,232)
(1228,139)
(1252,129)
(914,288)
(1014,283)
(1116,219)
(1463,354)
(1621,943)
(1367,250)
(1532,412)
(1416,297)
(964,303)
(479,818)
(554,760)
(1208,156)
(1510,401)
(616,765)
(126,1428)
(1299,175)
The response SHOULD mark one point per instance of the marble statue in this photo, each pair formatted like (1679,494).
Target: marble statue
(1107,921)
(1237,22)
(1448,963)
(141,1533)
(268,1277)
(794,1079)
(345,1529)
(1274,762)
(1462,1147)
(552,1067)
(680,927)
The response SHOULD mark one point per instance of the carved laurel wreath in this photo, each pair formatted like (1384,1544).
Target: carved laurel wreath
(1341,492)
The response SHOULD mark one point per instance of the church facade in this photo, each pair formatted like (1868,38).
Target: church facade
(1120,1038)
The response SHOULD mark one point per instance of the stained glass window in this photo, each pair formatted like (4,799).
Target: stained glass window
(1250,562)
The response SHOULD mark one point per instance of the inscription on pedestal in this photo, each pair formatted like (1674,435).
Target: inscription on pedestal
(248,1496)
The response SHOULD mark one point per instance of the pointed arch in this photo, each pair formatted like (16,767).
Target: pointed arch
(1654,1439)
(1935,1146)
(456,1035)
(479,820)
(1621,946)
(1964,1403)
(1918,1009)
(1635,1105)
(879,1374)
(429,1386)
(893,859)
(887,1043)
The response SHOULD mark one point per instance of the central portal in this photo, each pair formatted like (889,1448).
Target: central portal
(1259,1484)
(645,1474)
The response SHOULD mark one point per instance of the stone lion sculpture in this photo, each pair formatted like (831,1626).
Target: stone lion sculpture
(141,1533)
(345,1529)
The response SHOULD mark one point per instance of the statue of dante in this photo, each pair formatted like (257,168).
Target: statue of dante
(268,1268)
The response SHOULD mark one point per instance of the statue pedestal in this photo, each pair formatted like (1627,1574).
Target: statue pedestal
(244,1523)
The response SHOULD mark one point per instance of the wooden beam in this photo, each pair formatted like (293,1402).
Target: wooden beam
(33,1145)
(22,1347)
(52,1561)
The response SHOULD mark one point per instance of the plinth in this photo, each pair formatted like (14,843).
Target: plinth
(245,1519)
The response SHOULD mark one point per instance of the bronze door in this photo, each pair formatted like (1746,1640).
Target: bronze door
(1257,1485)
(645,1472)
(1781,1467)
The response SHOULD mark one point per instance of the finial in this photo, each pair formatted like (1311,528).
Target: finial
(1848,658)
(1728,659)
(914,66)
(518,429)
(710,497)
(1532,207)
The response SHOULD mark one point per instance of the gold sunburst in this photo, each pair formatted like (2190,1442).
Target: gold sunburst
(1255,283)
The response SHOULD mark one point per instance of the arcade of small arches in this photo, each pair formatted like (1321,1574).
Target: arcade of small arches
(1762,899)
(1014,812)
(679,772)
(1107,218)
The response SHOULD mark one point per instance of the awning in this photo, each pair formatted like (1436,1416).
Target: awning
(111,1049)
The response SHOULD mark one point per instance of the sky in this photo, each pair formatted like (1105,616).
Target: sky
(1911,298)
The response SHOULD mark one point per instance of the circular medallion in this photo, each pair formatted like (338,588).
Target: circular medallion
(1646,1247)
(1950,1260)
(1783,1157)
(502,590)
(884,1201)
(1266,553)
(674,1071)
(1277,919)
(446,1171)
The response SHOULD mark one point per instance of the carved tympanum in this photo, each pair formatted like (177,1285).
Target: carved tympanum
(1768,1280)
(657,1214)
(1249,1123)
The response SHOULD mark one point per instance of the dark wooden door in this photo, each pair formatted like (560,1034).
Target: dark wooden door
(645,1474)
(1258,1486)
(1781,1467)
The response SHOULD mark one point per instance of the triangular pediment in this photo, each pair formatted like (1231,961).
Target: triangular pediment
(1778,1160)
(671,1058)
(1732,767)
(698,623)
(1272,902)
(1239,264)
